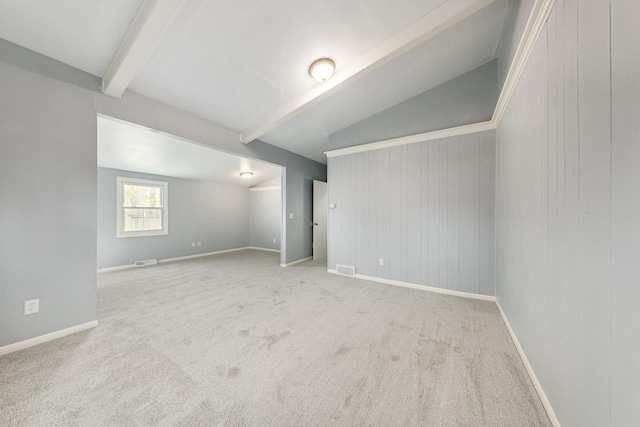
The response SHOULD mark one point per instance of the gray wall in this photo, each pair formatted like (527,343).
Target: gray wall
(516,21)
(427,209)
(265,216)
(299,174)
(47,204)
(48,136)
(567,238)
(215,214)
(625,225)
(469,98)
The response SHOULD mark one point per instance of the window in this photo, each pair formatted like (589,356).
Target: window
(142,207)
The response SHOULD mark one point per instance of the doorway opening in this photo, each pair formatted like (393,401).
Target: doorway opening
(320,206)
(208,201)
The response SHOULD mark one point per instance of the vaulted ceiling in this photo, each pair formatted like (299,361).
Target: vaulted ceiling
(244,64)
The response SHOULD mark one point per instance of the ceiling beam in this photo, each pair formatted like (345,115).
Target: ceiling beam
(417,33)
(146,30)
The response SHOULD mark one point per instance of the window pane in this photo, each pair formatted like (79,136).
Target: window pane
(142,196)
(142,219)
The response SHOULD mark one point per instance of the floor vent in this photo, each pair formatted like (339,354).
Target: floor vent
(346,270)
(146,262)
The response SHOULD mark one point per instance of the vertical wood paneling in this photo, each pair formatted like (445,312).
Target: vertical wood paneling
(625,292)
(572,207)
(361,208)
(555,278)
(469,213)
(443,229)
(372,260)
(341,187)
(415,233)
(393,262)
(404,205)
(453,213)
(594,118)
(353,199)
(486,200)
(431,221)
(553,219)
(349,205)
(419,208)
(560,328)
(384,206)
(486,206)
(343,177)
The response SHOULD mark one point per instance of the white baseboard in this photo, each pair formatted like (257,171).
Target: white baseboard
(181,258)
(264,249)
(529,368)
(534,379)
(47,337)
(117,268)
(289,264)
(421,287)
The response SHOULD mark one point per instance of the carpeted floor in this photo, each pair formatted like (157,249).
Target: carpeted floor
(236,340)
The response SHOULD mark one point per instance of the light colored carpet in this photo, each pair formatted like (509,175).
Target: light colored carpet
(235,340)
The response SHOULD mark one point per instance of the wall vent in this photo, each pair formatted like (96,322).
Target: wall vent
(146,262)
(346,270)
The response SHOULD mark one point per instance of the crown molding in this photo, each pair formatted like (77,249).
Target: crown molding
(412,139)
(537,19)
(535,24)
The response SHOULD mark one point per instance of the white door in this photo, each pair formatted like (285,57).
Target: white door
(320,220)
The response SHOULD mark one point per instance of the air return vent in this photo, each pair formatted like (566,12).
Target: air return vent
(346,270)
(146,262)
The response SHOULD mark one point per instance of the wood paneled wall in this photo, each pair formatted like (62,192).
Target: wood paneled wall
(427,209)
(567,233)
(625,213)
(553,212)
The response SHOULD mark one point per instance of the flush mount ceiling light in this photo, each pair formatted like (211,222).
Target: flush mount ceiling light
(246,175)
(322,69)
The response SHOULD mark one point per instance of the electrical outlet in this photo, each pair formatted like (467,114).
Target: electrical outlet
(290,215)
(199,244)
(31,306)
(274,240)
(381,261)
(193,244)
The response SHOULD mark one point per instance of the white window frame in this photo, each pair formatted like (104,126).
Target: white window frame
(121,181)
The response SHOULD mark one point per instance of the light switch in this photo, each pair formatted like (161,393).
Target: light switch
(290,215)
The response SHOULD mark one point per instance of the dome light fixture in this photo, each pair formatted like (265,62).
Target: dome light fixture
(322,69)
(246,174)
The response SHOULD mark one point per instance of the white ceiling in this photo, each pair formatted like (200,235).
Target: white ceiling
(126,146)
(82,33)
(236,62)
(450,54)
